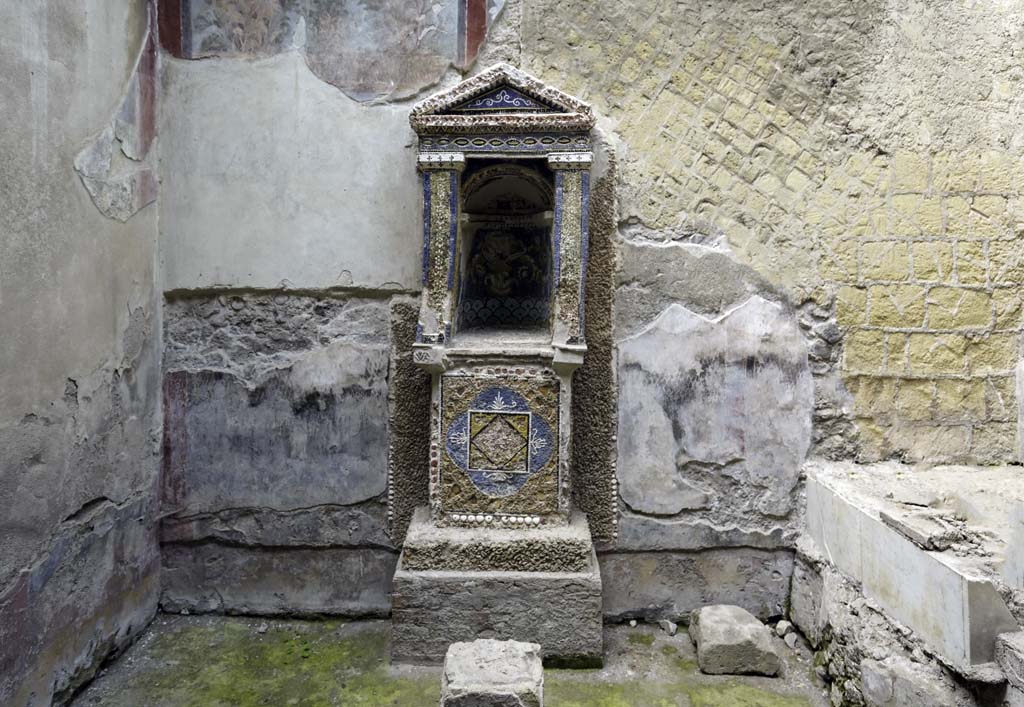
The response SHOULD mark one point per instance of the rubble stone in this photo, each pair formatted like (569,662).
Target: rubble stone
(1010,656)
(731,641)
(895,682)
(490,673)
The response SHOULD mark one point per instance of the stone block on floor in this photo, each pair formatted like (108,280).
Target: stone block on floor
(731,641)
(491,673)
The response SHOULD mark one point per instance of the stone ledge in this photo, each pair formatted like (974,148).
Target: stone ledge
(1010,656)
(949,601)
(558,548)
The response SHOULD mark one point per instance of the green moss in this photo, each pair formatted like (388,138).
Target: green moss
(641,639)
(737,695)
(326,663)
(562,691)
(684,665)
(305,665)
(574,693)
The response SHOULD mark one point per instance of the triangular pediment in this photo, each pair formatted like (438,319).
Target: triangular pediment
(501,98)
(504,98)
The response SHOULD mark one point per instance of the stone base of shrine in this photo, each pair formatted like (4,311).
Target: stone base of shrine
(433,608)
(555,548)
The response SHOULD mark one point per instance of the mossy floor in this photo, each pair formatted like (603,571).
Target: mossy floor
(225,661)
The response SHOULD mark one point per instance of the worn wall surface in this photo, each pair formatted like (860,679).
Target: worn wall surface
(876,191)
(806,242)
(275,453)
(286,149)
(80,358)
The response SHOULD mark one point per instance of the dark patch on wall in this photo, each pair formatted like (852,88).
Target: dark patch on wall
(175,439)
(594,395)
(78,549)
(172,25)
(409,428)
(276,448)
(669,585)
(473,26)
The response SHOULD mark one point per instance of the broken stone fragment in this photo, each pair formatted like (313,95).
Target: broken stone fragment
(896,682)
(914,496)
(927,529)
(782,628)
(731,641)
(1010,656)
(668,627)
(491,673)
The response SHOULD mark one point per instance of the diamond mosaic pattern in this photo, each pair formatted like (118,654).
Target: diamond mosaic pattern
(499,441)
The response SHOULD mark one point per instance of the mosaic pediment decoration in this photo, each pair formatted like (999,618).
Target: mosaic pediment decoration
(499,442)
(502,98)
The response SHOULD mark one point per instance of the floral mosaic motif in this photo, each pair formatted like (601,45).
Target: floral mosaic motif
(504,98)
(499,442)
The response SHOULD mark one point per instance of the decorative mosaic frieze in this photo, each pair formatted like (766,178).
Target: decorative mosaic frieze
(519,142)
(499,439)
(503,98)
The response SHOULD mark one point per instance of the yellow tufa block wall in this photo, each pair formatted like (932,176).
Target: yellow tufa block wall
(928,270)
(917,252)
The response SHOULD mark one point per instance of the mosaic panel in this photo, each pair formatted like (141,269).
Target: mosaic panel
(440,229)
(500,438)
(507,279)
(569,238)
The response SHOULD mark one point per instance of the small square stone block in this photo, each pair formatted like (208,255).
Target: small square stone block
(491,673)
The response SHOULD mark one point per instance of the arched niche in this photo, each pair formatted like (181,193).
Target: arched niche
(506,255)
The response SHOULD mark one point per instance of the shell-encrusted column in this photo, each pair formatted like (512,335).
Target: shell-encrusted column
(440,173)
(572,196)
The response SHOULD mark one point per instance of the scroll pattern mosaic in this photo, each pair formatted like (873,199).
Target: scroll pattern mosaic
(500,444)
(501,99)
(530,142)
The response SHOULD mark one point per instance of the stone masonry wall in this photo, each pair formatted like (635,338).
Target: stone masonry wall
(845,170)
(809,245)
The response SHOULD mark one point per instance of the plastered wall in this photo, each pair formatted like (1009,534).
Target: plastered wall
(80,331)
